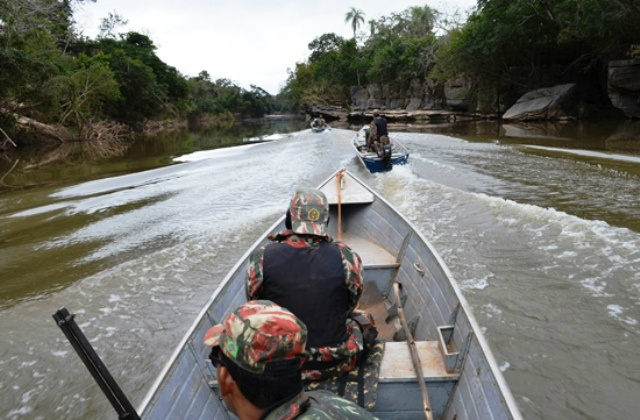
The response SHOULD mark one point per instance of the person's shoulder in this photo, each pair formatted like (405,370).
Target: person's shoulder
(344,248)
(258,252)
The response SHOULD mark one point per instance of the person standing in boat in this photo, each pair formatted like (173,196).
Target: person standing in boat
(258,352)
(316,278)
(379,130)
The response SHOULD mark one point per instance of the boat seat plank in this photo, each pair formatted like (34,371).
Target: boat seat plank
(397,366)
(371,253)
(352,191)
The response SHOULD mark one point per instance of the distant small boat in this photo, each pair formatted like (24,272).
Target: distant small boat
(373,161)
(461,377)
(318,127)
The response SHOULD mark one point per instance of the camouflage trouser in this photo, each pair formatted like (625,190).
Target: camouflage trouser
(359,385)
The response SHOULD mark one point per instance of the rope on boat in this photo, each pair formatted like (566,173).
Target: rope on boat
(339,176)
(415,358)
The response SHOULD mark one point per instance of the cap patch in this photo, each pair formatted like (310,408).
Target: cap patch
(314,214)
(231,347)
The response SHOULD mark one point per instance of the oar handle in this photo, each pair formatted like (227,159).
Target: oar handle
(415,357)
(339,176)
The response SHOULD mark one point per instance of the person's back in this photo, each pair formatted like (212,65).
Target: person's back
(318,279)
(381,126)
(321,301)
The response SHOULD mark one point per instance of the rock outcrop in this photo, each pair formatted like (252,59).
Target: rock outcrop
(624,86)
(553,103)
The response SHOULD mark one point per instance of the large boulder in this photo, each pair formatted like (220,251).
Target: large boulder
(624,86)
(414,95)
(455,93)
(359,98)
(553,103)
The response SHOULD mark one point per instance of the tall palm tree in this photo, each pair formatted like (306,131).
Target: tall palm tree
(372,26)
(356,17)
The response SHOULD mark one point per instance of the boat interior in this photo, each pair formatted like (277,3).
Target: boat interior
(398,390)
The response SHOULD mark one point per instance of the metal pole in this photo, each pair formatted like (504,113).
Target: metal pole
(92,361)
(415,358)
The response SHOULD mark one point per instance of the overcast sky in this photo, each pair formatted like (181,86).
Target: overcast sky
(246,41)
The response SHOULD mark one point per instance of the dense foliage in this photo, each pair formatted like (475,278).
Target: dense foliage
(519,40)
(52,74)
(399,48)
(520,43)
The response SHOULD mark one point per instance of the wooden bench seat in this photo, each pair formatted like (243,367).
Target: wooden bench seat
(399,395)
(397,365)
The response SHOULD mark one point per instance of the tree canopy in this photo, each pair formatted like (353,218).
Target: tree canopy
(523,43)
(51,73)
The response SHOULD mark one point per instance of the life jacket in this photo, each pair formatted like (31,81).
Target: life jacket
(310,282)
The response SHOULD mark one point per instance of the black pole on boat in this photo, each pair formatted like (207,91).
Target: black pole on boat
(92,361)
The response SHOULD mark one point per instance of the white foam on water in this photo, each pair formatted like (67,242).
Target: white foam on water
(504,366)
(215,153)
(490,310)
(589,153)
(616,312)
(432,162)
(595,255)
(478,284)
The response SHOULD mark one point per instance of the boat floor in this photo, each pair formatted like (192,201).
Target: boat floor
(371,253)
(372,300)
(373,303)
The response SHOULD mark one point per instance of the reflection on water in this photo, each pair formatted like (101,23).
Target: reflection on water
(69,162)
(609,135)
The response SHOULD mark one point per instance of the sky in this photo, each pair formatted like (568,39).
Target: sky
(251,42)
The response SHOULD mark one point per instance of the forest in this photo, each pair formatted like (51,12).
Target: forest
(522,44)
(61,83)
(70,87)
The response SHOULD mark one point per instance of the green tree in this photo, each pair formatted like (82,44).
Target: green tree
(354,17)
(82,95)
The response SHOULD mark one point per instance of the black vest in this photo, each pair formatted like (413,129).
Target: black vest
(381,127)
(310,282)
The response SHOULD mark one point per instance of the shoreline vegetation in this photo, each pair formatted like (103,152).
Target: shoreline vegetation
(416,65)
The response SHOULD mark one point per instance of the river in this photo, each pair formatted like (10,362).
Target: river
(540,226)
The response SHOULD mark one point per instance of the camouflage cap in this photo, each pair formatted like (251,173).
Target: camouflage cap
(309,210)
(259,332)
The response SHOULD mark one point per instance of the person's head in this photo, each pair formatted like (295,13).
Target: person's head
(376,113)
(308,212)
(258,351)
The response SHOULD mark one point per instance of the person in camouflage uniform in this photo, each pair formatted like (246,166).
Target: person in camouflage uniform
(318,279)
(258,352)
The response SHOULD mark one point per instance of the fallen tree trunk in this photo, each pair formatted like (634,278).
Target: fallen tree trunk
(55,132)
(7,140)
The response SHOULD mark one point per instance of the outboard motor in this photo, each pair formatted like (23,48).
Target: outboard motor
(386,157)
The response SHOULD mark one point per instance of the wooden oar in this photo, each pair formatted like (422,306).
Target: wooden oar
(415,358)
(339,176)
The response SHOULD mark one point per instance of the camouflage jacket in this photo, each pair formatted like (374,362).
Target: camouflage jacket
(317,405)
(352,266)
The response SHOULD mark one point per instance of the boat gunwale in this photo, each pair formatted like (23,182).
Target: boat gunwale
(207,306)
(484,345)
(505,391)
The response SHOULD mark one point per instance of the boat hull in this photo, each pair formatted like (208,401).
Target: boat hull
(463,379)
(377,164)
(373,162)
